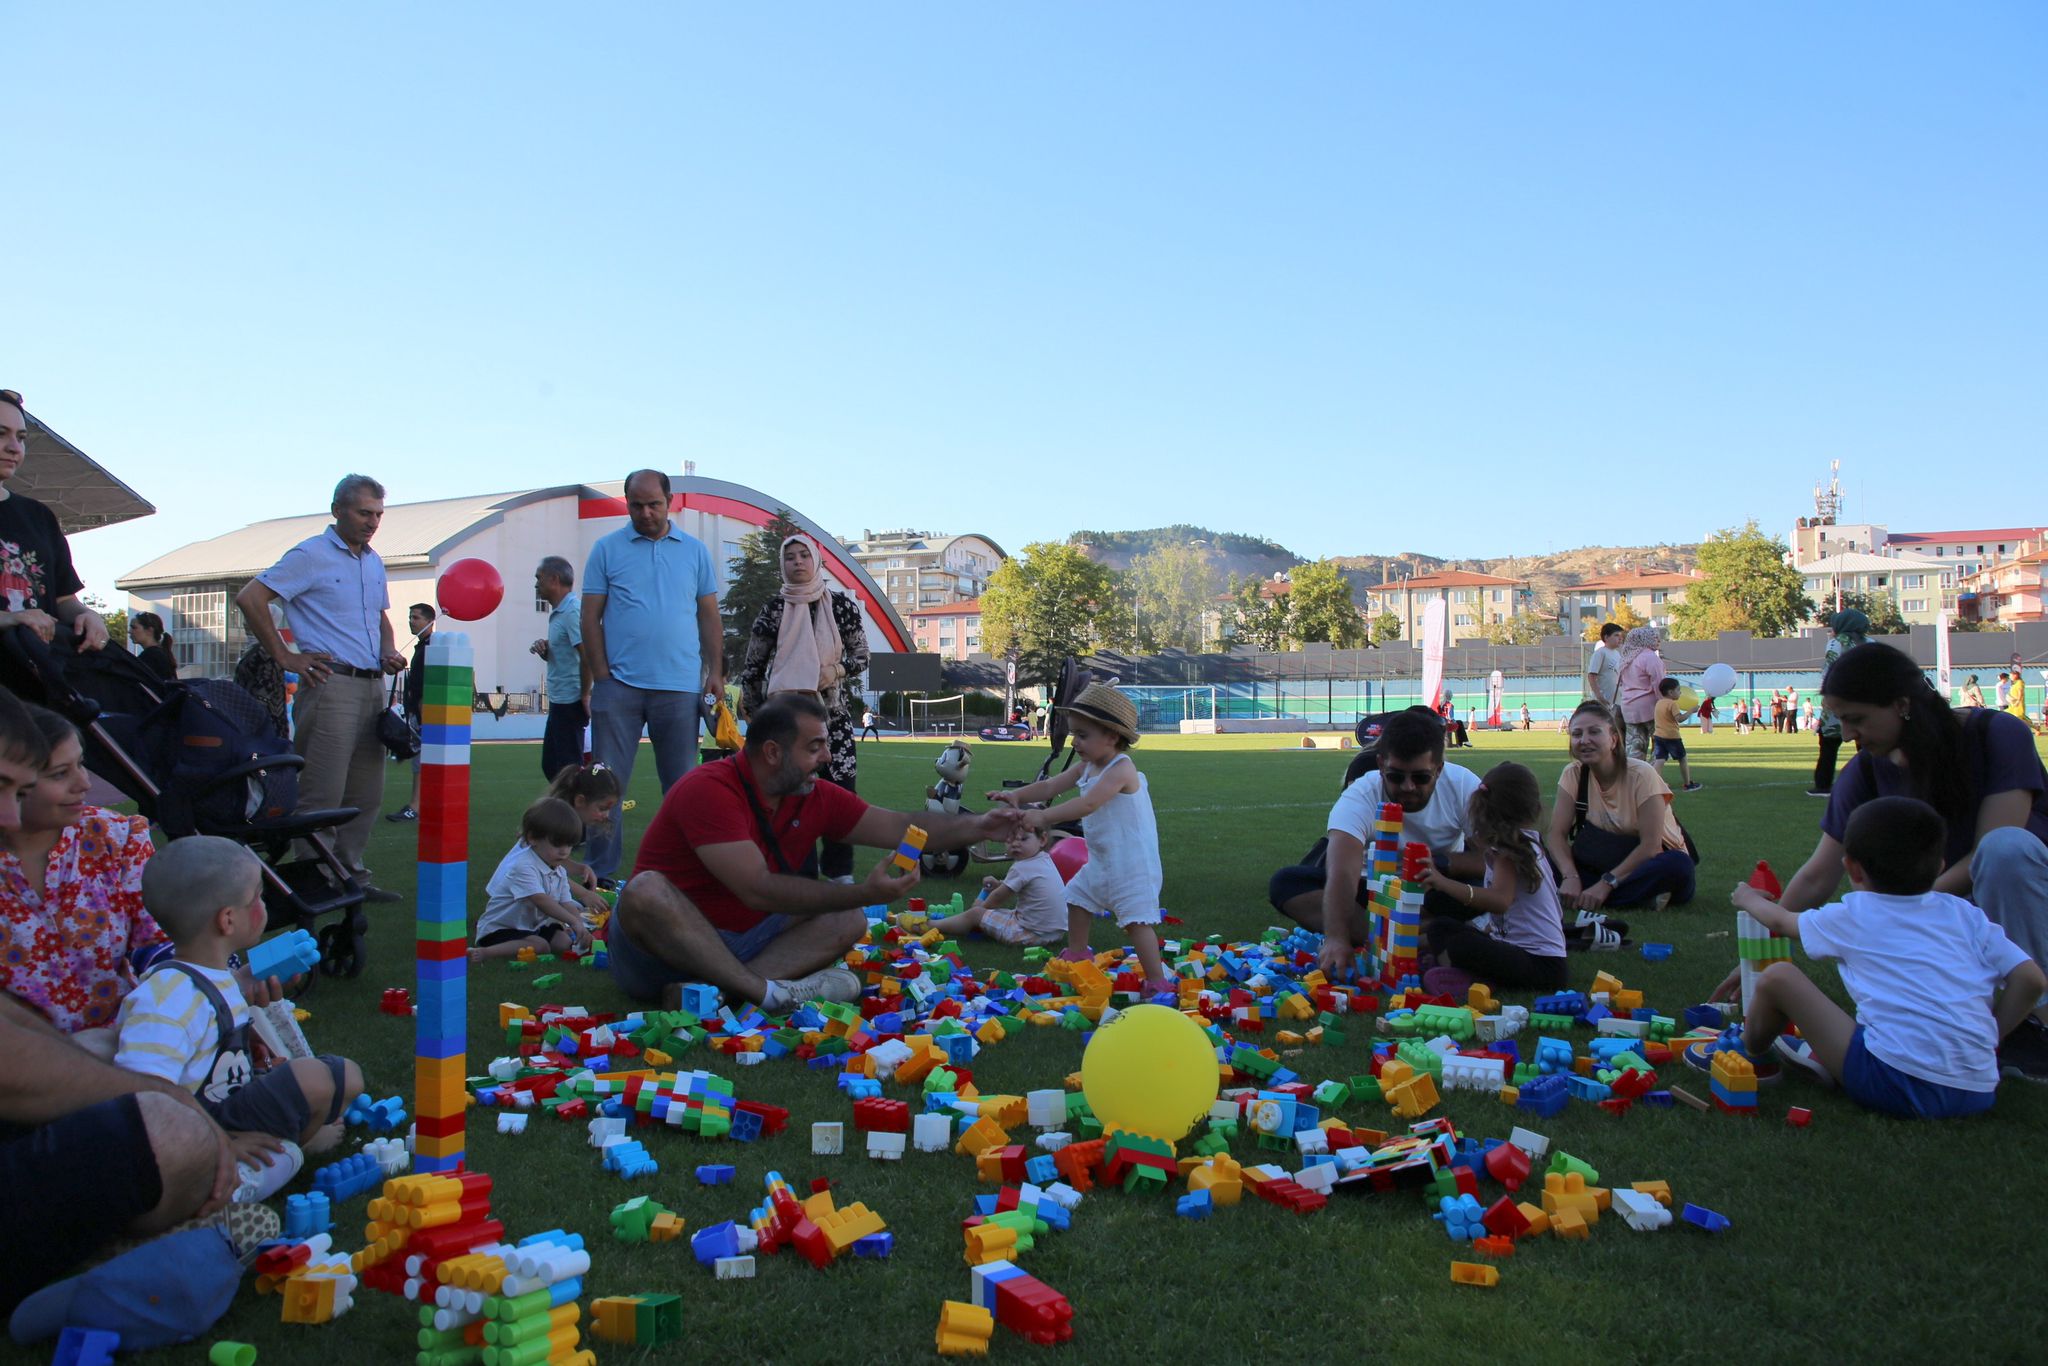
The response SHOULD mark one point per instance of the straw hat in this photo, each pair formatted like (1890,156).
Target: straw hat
(1106,706)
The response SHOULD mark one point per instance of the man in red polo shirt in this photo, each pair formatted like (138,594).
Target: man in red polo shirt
(717,895)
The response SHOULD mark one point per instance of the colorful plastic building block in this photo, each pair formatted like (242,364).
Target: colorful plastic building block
(910,851)
(396,1001)
(1798,1116)
(1701,1217)
(231,1354)
(1472,1273)
(828,1140)
(964,1329)
(283,955)
(86,1347)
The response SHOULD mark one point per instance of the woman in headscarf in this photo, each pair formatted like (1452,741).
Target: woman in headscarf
(1851,629)
(1642,669)
(811,640)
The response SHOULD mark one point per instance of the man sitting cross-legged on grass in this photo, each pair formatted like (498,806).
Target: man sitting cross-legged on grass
(1936,984)
(725,890)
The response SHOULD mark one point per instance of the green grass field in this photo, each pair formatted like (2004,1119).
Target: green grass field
(1858,1238)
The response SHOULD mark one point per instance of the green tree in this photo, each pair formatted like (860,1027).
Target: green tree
(756,581)
(1524,628)
(1260,621)
(1881,608)
(1385,627)
(1745,585)
(1625,616)
(1171,586)
(1321,606)
(1050,602)
(116,618)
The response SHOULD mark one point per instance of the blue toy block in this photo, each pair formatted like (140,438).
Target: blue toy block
(1463,1218)
(440,884)
(985,1205)
(306,1216)
(1560,1003)
(1704,1017)
(1553,1055)
(716,1174)
(700,999)
(283,955)
(1585,1088)
(959,1048)
(1544,1096)
(630,1161)
(1656,953)
(352,1176)
(875,1245)
(86,1347)
(1659,1098)
(1042,1170)
(1595,1015)
(746,1126)
(1055,1216)
(1197,1205)
(707,1245)
(1705,1218)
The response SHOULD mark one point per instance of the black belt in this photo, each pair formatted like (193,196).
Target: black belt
(351,671)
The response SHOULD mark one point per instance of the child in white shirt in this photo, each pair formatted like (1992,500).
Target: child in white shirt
(532,904)
(188,1020)
(1027,906)
(1520,940)
(1936,983)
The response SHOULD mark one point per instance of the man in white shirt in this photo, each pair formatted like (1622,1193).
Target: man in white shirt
(1434,798)
(1603,670)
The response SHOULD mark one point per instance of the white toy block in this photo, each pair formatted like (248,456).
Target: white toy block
(887,1147)
(931,1133)
(1063,1195)
(1270,1171)
(603,1131)
(1529,1141)
(1319,1177)
(1054,1141)
(750,1059)
(511,1123)
(887,1057)
(734,1268)
(1616,1025)
(1224,1110)
(1045,1109)
(1311,1141)
(602,1038)
(1639,1211)
(828,1140)
(504,1069)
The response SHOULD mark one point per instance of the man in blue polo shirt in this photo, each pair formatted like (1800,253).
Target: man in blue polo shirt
(653,644)
(333,587)
(561,745)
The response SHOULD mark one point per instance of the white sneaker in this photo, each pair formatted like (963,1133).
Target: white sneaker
(259,1183)
(835,984)
(1799,1053)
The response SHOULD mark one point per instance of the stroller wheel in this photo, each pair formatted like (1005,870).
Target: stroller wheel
(949,864)
(341,951)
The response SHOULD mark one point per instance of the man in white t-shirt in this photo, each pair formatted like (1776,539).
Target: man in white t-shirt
(1434,798)
(1603,670)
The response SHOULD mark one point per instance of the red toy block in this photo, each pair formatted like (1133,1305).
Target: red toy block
(1504,1220)
(1616,1105)
(875,1115)
(1494,1246)
(774,1118)
(1798,1116)
(1508,1165)
(397,1000)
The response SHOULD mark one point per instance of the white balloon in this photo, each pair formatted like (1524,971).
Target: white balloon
(1718,679)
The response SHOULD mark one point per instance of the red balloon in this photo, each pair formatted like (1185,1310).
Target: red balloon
(1070,855)
(469,590)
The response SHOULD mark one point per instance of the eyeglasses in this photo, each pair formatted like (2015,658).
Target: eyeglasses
(1421,777)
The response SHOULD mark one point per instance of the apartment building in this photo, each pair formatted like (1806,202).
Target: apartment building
(1653,596)
(950,630)
(1475,601)
(924,568)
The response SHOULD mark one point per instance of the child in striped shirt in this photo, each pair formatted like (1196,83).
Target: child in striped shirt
(188,1021)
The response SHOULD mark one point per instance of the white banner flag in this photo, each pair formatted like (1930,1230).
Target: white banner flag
(1434,621)
(1941,665)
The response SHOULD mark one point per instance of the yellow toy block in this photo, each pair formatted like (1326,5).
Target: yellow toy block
(509,1011)
(1660,1191)
(1289,1039)
(1567,1191)
(1567,1224)
(1472,1273)
(656,1058)
(438,1086)
(964,1329)
(613,1318)
(1480,998)
(817,1205)
(1604,981)
(990,1243)
(1297,1008)
(1392,1073)
(1413,1098)
(1733,1070)
(843,1228)
(981,1136)
(1510,1094)
(1005,1110)
(1539,1222)
(989,1033)
(666,1228)
(1626,1002)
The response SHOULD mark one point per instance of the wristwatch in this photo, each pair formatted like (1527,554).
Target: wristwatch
(1609,879)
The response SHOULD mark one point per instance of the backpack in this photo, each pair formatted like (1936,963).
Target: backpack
(222,730)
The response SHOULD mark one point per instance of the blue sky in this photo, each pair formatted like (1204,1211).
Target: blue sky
(1361,278)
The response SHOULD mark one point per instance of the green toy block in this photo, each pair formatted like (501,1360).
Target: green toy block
(1366,1088)
(1332,1093)
(1077,1105)
(1661,1027)
(940,1080)
(1226,1129)
(542,983)
(1564,1163)
(515,965)
(1211,1143)
(1142,1179)
(1555,1023)
(1087,1127)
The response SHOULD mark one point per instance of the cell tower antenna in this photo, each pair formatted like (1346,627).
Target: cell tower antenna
(1827,501)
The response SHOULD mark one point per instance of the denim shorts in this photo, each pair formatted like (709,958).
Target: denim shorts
(1877,1085)
(642,976)
(1662,748)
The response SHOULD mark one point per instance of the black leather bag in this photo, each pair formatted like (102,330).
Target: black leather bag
(399,736)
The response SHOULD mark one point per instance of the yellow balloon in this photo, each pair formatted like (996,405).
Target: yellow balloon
(1150,1071)
(1687,698)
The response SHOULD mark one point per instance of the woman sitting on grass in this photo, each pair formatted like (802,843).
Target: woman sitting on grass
(1613,835)
(1983,777)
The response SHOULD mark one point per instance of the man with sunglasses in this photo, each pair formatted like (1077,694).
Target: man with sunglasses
(1434,798)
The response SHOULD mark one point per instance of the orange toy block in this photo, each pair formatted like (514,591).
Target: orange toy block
(1539,1222)
(1567,1224)
(982,1136)
(666,1228)
(1472,1273)
(1567,1191)
(1660,1191)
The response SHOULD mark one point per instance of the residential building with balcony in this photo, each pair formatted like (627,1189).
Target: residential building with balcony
(1921,586)
(1966,552)
(1475,601)
(950,630)
(1653,596)
(2008,592)
(926,569)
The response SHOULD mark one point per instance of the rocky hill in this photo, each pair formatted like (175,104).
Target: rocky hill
(1256,556)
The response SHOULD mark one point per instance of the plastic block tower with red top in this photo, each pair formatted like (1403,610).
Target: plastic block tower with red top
(1755,945)
(441,992)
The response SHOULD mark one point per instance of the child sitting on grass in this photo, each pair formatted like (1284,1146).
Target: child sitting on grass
(1521,943)
(188,1021)
(532,903)
(1936,983)
(592,791)
(1122,876)
(1029,904)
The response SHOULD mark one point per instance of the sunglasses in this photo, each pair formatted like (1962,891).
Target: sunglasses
(1421,777)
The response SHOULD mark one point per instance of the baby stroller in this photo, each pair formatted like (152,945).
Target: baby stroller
(202,757)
